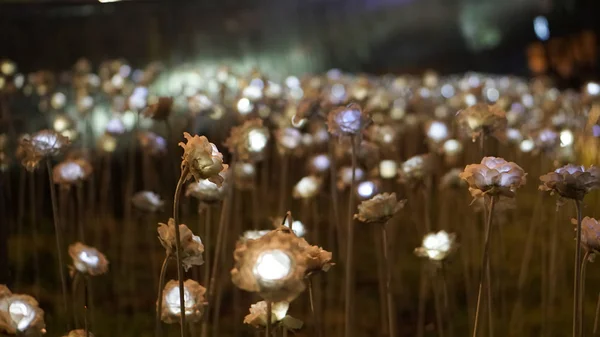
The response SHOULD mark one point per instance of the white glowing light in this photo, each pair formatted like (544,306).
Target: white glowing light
(61,123)
(172,301)
(321,162)
(89,259)
(257,140)
(388,169)
(247,169)
(19,80)
(527,100)
(274,90)
(71,171)
(566,138)
(338,92)
(366,189)
(298,228)
(448,90)
(514,134)
(470,100)
(22,314)
(252,92)
(117,81)
(115,126)
(437,245)
(290,138)
(292,82)
(273,265)
(58,100)
(492,94)
(527,145)
(128,119)
(307,187)
(540,27)
(244,106)
(593,88)
(85,102)
(253,235)
(437,131)
(124,71)
(452,147)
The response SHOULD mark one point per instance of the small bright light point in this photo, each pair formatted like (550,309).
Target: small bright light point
(527,145)
(448,90)
(437,131)
(593,88)
(244,106)
(452,147)
(366,189)
(61,123)
(321,162)
(566,138)
(492,94)
(338,91)
(257,140)
(388,169)
(117,81)
(58,100)
(252,92)
(89,259)
(470,100)
(541,29)
(273,265)
(292,82)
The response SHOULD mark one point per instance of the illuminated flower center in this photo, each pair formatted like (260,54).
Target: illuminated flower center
(71,171)
(452,147)
(366,189)
(437,131)
(22,314)
(273,265)
(89,258)
(298,228)
(566,138)
(172,301)
(437,245)
(46,141)
(257,140)
(388,169)
(307,186)
(349,120)
(244,106)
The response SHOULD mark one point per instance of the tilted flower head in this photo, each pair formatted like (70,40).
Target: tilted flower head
(347,120)
(147,201)
(21,315)
(207,191)
(191,245)
(317,258)
(71,171)
(248,141)
(193,298)
(308,187)
(379,209)
(79,333)
(202,159)
(482,119)
(437,246)
(272,265)
(88,260)
(494,176)
(590,234)
(415,169)
(571,181)
(258,315)
(160,110)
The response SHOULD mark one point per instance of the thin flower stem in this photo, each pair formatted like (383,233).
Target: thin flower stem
(350,250)
(159,299)
(484,263)
(285,160)
(74,298)
(182,178)
(446,300)
(57,231)
(388,283)
(312,308)
(207,246)
(80,208)
(268,330)
(85,307)
(586,256)
(422,301)
(438,311)
(34,232)
(597,314)
(552,269)
(576,283)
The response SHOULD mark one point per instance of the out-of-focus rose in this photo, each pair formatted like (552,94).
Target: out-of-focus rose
(493,176)
(272,265)
(590,234)
(193,298)
(437,246)
(244,175)
(258,315)
(308,187)
(88,260)
(206,191)
(347,120)
(249,140)
(289,140)
(160,110)
(71,171)
(482,119)
(571,181)
(317,258)
(147,201)
(379,209)
(415,169)
(191,245)
(345,177)
(202,158)
(21,315)
(152,143)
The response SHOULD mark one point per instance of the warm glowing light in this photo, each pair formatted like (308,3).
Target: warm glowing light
(527,145)
(566,138)
(89,259)
(437,245)
(8,67)
(366,189)
(61,123)
(172,301)
(244,106)
(22,314)
(388,169)
(437,131)
(273,265)
(58,100)
(470,100)
(257,140)
(452,147)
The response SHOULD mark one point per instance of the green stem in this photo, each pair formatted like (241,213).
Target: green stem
(182,178)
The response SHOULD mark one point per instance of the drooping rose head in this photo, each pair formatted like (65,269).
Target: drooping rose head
(191,245)
(590,234)
(571,181)
(206,191)
(202,159)
(493,176)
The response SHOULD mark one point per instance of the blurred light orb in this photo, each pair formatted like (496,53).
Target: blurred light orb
(22,314)
(8,67)
(527,100)
(566,138)
(307,187)
(470,100)
(61,123)
(593,88)
(257,140)
(19,80)
(514,135)
(321,162)
(125,71)
(252,92)
(437,245)
(492,94)
(366,189)
(253,235)
(108,143)
(338,92)
(540,27)
(292,82)
(527,145)
(58,101)
(272,265)
(71,171)
(172,301)
(117,81)
(437,131)
(448,90)
(244,106)
(452,147)
(388,169)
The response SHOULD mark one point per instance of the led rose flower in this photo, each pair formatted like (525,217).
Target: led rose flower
(191,245)
(289,140)
(88,260)
(482,119)
(193,296)
(308,187)
(147,201)
(249,140)
(152,143)
(379,209)
(319,164)
(21,315)
(202,159)
(437,246)
(206,191)
(494,176)
(107,143)
(161,110)
(415,169)
(571,181)
(317,258)
(348,120)
(345,177)
(590,234)
(272,265)
(79,333)
(258,315)
(47,143)
(71,171)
